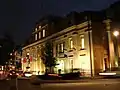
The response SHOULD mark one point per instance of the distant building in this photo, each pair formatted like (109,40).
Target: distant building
(18,57)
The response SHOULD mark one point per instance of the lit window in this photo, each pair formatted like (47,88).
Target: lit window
(71,43)
(82,41)
(35,36)
(61,47)
(35,29)
(39,27)
(39,35)
(44,33)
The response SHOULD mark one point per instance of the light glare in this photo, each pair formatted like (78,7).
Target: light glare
(107,73)
(115,33)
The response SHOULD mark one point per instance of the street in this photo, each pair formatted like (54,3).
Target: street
(90,85)
(104,84)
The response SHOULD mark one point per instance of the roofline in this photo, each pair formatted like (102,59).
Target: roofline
(61,32)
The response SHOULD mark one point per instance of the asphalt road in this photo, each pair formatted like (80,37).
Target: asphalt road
(90,85)
(103,84)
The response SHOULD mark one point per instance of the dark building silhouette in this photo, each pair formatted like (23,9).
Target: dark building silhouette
(6,47)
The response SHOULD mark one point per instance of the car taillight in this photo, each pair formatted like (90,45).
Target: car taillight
(1,72)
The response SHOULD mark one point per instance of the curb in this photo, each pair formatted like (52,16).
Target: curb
(65,81)
(62,81)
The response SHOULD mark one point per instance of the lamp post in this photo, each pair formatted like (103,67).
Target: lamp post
(116,34)
(90,45)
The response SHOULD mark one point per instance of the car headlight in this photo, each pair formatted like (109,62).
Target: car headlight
(28,74)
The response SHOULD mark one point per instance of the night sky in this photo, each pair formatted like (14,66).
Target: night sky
(18,17)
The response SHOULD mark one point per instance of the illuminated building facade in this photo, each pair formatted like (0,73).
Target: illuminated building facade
(79,41)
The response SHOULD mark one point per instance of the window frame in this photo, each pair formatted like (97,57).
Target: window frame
(36,36)
(39,35)
(82,41)
(71,43)
(43,33)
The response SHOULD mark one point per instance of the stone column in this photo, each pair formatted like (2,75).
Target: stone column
(110,44)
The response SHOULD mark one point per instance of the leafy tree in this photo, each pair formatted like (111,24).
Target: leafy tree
(47,56)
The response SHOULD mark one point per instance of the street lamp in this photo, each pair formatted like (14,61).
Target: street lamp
(116,34)
(28,54)
(10,54)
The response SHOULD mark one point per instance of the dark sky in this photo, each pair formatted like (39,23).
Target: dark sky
(18,17)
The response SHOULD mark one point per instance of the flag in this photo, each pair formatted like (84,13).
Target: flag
(30,58)
(24,60)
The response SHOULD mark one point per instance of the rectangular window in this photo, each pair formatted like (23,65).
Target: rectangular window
(35,29)
(35,36)
(82,41)
(71,64)
(43,32)
(39,35)
(39,27)
(62,47)
(71,43)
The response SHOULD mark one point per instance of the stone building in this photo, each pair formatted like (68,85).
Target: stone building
(80,41)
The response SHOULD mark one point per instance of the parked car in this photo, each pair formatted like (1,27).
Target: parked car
(37,79)
(27,74)
(20,73)
(12,74)
(73,74)
(3,75)
(50,76)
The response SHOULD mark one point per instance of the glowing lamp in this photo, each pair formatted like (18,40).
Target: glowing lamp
(115,33)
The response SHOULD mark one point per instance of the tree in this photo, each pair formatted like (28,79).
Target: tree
(7,46)
(47,56)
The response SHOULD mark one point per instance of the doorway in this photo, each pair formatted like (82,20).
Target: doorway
(105,64)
